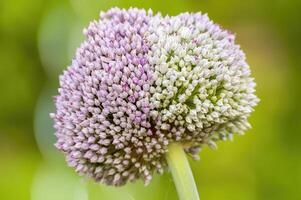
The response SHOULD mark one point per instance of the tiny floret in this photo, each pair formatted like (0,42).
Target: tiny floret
(141,81)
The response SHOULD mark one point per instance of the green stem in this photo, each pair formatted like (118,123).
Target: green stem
(181,172)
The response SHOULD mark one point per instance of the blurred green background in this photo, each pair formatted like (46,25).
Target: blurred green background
(37,41)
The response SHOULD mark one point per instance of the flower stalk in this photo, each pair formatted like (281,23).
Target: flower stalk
(181,172)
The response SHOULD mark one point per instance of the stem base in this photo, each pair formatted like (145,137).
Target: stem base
(181,172)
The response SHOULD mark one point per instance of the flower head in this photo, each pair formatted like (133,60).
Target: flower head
(141,81)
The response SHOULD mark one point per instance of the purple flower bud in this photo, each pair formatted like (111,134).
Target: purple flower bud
(139,82)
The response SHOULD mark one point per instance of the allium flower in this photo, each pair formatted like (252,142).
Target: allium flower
(140,82)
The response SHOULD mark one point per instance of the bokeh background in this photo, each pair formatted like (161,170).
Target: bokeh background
(37,41)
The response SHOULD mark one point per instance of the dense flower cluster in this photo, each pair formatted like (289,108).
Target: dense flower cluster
(141,81)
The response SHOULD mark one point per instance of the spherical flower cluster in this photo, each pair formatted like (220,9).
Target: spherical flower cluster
(141,81)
